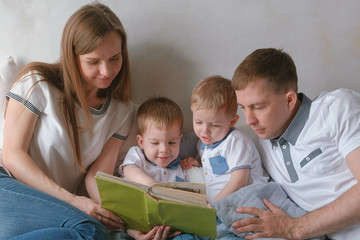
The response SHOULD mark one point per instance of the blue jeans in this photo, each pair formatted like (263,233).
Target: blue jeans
(222,233)
(26,213)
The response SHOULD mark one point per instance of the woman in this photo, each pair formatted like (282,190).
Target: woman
(63,123)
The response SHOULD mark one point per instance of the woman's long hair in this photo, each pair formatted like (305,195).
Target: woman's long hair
(83,32)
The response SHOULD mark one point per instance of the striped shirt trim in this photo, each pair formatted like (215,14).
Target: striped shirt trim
(118,136)
(26,103)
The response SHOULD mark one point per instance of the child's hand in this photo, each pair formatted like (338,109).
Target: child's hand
(189,162)
(157,233)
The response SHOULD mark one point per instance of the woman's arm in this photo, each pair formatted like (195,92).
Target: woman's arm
(238,179)
(105,163)
(18,132)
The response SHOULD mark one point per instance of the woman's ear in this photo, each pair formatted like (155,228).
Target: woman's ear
(140,141)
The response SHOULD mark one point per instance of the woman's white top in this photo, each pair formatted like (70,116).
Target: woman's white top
(50,146)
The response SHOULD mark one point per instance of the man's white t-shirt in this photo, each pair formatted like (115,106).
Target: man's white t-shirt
(308,160)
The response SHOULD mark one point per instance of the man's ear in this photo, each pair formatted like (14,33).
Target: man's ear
(291,98)
(234,120)
(140,141)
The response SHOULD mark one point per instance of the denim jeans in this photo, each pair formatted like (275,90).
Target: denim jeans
(222,233)
(26,213)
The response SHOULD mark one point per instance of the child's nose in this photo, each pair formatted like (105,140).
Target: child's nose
(163,148)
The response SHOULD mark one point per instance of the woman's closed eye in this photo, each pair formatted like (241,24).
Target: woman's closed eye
(115,59)
(92,62)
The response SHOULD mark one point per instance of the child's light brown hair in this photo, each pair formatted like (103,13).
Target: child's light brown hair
(214,93)
(160,112)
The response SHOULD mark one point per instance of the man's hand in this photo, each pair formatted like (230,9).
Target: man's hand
(272,223)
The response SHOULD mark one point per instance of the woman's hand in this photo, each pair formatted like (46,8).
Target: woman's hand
(157,233)
(94,209)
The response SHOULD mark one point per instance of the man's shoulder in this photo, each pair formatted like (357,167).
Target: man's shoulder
(337,95)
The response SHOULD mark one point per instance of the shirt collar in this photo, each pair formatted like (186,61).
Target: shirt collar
(173,165)
(214,145)
(297,124)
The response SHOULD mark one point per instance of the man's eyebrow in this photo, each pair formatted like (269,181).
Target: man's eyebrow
(254,104)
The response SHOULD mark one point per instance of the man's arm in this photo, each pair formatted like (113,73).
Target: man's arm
(342,213)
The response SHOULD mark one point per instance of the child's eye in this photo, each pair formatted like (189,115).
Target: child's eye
(215,125)
(172,143)
(154,143)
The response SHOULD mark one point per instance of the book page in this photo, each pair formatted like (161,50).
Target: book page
(184,192)
(191,193)
(122,180)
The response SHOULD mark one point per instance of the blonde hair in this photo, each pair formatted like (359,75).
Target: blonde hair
(161,112)
(83,32)
(214,93)
(274,66)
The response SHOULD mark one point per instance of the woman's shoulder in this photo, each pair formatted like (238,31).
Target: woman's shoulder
(30,79)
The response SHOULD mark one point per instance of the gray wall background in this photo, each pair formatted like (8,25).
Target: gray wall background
(173,44)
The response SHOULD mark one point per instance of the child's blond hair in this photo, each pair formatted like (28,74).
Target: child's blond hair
(214,93)
(160,112)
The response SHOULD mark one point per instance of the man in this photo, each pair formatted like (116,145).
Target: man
(312,148)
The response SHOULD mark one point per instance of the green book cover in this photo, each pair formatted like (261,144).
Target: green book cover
(179,205)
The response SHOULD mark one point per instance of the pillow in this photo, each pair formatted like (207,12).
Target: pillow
(8,71)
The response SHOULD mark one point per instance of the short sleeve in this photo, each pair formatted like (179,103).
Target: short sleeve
(133,157)
(31,91)
(125,119)
(241,152)
(341,113)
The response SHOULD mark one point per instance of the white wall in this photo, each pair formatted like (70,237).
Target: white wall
(174,44)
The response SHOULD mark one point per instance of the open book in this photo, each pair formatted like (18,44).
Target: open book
(180,205)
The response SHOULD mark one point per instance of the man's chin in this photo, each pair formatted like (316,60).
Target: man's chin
(263,136)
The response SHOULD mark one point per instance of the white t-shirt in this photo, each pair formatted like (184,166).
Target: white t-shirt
(50,146)
(308,160)
(172,173)
(220,159)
